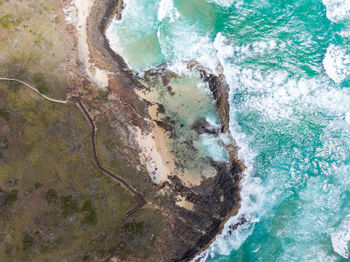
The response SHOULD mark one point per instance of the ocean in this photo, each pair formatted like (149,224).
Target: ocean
(288,67)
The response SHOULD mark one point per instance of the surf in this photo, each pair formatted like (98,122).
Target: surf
(288,68)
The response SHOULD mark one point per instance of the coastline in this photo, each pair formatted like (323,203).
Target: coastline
(176,133)
(205,206)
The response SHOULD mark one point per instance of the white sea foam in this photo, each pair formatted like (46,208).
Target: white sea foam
(347,117)
(114,42)
(167,9)
(337,63)
(252,194)
(337,10)
(340,238)
(213,147)
(214,122)
(253,191)
(344,33)
(223,47)
(227,3)
(276,95)
(139,46)
(179,67)
(193,45)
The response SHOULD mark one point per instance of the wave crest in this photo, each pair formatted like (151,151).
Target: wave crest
(337,10)
(341,238)
(337,63)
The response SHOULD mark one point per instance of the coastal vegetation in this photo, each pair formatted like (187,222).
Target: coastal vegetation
(32,44)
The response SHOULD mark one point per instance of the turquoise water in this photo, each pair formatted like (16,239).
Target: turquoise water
(288,66)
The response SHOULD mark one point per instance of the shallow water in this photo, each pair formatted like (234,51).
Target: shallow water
(288,66)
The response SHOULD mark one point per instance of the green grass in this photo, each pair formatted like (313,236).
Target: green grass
(103,94)
(69,205)
(3,142)
(134,227)
(89,213)
(4,114)
(40,83)
(7,199)
(51,194)
(9,20)
(27,242)
(142,227)
(38,49)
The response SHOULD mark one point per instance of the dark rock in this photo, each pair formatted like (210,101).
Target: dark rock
(201,126)
(220,91)
(168,125)
(170,90)
(242,220)
(160,109)
(215,200)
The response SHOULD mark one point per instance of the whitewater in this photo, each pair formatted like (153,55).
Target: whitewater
(288,67)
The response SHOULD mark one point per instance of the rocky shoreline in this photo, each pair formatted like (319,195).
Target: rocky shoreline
(216,198)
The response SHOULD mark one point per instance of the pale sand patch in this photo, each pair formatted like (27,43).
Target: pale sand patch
(77,12)
(101,77)
(153,157)
(182,202)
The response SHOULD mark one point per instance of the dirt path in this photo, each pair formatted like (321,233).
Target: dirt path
(137,196)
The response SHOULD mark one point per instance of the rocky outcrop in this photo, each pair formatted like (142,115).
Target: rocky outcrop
(215,200)
(201,126)
(219,88)
(220,91)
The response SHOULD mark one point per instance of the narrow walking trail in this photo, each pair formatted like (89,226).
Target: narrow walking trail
(137,196)
(33,88)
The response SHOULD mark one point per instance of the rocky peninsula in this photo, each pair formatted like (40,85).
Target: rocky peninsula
(183,197)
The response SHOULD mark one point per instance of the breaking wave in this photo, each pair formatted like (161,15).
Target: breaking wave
(337,10)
